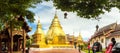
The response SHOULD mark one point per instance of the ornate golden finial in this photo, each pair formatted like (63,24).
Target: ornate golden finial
(38,19)
(55,14)
(38,24)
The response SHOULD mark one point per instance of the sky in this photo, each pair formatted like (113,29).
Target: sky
(73,25)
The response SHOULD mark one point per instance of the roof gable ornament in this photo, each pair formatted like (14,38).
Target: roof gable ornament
(113,26)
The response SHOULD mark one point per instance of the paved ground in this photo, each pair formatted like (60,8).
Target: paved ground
(57,51)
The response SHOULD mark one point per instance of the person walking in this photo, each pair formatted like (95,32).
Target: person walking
(79,48)
(110,46)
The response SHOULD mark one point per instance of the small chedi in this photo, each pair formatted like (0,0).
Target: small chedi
(80,40)
(39,37)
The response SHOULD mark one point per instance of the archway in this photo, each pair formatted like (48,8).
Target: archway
(17,42)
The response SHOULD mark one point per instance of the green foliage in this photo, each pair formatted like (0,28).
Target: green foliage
(86,51)
(87,8)
(9,9)
(29,41)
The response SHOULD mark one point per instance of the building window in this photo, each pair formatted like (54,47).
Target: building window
(102,40)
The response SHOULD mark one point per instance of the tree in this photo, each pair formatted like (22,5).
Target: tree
(87,8)
(10,10)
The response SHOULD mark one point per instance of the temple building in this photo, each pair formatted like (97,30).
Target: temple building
(13,39)
(72,39)
(39,37)
(104,35)
(55,34)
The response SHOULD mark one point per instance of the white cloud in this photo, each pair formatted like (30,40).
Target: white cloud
(74,23)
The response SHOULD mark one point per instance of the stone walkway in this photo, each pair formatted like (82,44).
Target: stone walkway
(56,51)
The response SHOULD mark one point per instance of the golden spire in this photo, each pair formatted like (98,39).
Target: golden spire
(55,22)
(79,37)
(39,25)
(80,40)
(38,36)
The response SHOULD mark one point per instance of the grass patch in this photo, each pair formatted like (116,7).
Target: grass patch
(86,51)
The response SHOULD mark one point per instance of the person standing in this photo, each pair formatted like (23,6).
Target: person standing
(110,46)
(75,44)
(96,47)
(88,47)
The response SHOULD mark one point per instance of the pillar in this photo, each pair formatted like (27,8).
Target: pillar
(0,44)
(24,41)
(11,48)
(105,42)
(18,47)
(11,36)
(21,45)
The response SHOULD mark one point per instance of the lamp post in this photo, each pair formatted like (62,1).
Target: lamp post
(65,15)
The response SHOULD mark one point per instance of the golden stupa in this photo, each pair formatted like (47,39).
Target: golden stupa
(39,37)
(55,34)
(55,38)
(80,40)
